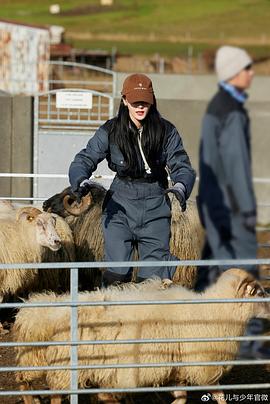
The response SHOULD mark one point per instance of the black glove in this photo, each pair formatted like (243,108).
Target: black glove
(83,190)
(179,190)
(250,220)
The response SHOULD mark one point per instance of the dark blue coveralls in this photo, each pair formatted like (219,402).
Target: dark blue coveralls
(135,211)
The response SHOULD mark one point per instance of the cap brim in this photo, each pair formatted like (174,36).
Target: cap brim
(140,95)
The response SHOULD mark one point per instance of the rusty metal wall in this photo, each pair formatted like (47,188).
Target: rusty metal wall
(24,53)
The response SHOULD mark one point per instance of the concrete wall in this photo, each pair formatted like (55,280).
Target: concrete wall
(16,144)
(5,150)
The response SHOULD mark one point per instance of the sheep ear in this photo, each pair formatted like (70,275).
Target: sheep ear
(27,213)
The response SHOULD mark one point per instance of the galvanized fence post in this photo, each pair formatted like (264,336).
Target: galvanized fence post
(74,333)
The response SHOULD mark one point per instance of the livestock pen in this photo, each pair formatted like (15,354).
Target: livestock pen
(245,383)
(262,388)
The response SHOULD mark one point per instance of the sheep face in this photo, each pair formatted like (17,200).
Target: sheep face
(255,290)
(42,224)
(46,233)
(246,286)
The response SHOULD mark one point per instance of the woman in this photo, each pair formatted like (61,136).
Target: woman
(139,146)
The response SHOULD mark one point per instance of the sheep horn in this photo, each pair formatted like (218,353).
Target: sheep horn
(27,212)
(75,208)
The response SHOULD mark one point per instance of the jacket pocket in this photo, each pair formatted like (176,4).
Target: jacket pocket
(116,156)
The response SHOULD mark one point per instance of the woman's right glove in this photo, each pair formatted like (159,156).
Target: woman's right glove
(179,190)
(83,190)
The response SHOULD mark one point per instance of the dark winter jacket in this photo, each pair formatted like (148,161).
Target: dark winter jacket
(172,156)
(225,185)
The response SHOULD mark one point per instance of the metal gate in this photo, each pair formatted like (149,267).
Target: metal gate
(64,120)
(81,75)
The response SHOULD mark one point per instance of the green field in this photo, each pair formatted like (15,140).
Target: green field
(151,26)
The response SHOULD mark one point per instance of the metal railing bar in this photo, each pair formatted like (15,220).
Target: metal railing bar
(74,333)
(139,389)
(133,341)
(255,179)
(68,121)
(85,82)
(124,264)
(136,365)
(82,65)
(135,303)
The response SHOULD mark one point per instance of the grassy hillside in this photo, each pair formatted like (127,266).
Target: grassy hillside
(149,26)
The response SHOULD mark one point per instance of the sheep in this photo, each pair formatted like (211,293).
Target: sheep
(187,236)
(7,209)
(187,240)
(140,322)
(32,236)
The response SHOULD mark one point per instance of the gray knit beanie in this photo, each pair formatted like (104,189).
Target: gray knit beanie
(229,61)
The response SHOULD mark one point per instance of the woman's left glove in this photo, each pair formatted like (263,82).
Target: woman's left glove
(179,190)
(83,190)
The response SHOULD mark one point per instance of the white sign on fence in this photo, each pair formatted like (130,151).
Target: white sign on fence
(74,99)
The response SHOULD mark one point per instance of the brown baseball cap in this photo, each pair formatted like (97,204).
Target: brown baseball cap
(138,87)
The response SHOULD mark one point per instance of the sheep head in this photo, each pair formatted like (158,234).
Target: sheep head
(44,225)
(246,286)
(64,203)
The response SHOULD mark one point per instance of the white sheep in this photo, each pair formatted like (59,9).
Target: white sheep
(141,322)
(7,209)
(33,236)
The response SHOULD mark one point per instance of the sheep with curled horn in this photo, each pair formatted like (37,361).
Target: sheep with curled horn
(150,322)
(33,236)
(187,235)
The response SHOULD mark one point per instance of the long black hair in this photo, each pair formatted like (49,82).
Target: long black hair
(125,134)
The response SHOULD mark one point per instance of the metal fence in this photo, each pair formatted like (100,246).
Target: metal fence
(64,120)
(81,75)
(74,303)
(74,343)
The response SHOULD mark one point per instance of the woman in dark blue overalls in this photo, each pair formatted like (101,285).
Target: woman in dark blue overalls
(142,148)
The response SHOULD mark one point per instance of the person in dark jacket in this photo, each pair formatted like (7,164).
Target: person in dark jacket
(141,147)
(226,198)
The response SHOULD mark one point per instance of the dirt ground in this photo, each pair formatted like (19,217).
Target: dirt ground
(239,374)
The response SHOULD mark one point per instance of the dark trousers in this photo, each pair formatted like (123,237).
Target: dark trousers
(137,213)
(243,242)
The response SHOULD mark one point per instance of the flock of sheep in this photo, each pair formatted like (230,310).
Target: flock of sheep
(65,231)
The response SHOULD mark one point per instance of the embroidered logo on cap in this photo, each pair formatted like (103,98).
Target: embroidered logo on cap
(140,87)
